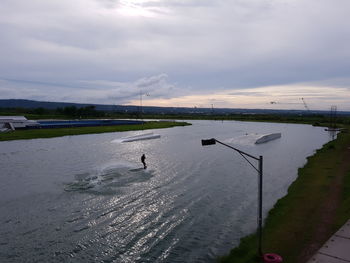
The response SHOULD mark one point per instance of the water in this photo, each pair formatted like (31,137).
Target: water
(83,198)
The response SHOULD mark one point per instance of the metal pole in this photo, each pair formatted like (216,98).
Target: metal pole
(260,186)
(260,204)
(237,150)
(140,104)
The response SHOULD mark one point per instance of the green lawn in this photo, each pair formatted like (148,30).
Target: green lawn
(49,133)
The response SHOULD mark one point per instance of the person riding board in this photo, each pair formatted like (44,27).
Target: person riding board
(143,158)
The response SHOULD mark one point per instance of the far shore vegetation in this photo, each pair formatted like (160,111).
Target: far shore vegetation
(89,112)
(317,202)
(58,132)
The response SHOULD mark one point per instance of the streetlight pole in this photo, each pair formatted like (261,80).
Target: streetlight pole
(141,104)
(260,204)
(260,173)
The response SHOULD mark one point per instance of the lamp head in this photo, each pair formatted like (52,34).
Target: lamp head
(208,142)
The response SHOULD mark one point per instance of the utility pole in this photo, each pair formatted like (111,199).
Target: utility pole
(333,117)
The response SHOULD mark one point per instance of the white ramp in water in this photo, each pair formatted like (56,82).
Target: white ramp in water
(268,137)
(140,137)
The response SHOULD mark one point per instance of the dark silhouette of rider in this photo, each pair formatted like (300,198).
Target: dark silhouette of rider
(143,158)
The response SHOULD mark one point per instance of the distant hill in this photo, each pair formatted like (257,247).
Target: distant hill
(31,104)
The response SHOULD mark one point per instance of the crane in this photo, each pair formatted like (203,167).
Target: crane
(293,103)
(305,105)
(289,103)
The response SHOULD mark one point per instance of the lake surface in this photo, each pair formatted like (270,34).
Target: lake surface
(82,198)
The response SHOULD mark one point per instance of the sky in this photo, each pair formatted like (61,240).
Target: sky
(177,53)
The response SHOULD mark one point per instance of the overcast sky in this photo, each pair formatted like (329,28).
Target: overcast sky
(225,53)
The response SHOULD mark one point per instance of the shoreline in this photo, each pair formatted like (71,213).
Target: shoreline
(316,204)
(59,132)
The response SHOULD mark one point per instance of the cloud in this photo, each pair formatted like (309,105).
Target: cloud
(97,91)
(269,97)
(179,47)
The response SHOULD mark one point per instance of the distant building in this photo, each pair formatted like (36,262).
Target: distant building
(8,123)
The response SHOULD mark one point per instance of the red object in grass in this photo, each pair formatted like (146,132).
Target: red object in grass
(272,258)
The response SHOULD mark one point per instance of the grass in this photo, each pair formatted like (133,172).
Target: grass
(49,133)
(291,224)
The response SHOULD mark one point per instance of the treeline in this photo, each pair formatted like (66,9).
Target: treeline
(74,112)
(83,112)
(69,111)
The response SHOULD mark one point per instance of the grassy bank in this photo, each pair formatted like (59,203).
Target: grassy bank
(49,133)
(317,204)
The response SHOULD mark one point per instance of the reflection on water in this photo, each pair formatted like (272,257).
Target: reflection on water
(84,198)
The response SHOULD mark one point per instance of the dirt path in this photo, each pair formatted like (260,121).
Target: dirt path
(327,214)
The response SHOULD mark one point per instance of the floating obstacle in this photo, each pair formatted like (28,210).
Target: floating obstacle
(268,137)
(140,137)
